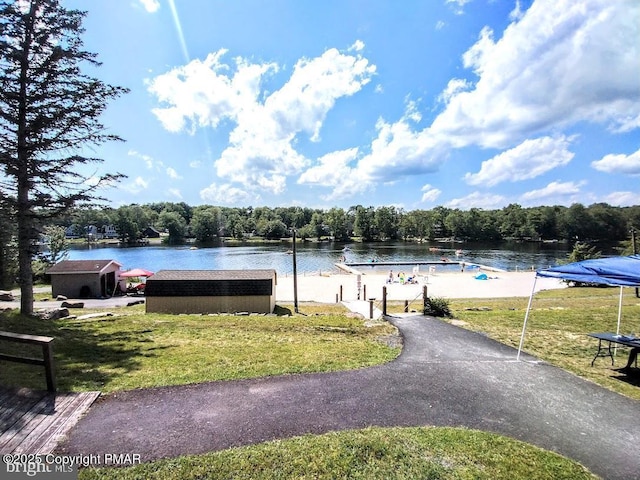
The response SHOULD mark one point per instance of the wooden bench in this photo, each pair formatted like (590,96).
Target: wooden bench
(47,354)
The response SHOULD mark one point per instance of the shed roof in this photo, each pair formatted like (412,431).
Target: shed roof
(180,275)
(81,266)
(195,283)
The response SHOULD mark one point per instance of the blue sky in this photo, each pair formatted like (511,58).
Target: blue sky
(460,103)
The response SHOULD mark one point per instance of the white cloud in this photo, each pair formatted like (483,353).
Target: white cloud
(227,195)
(357,46)
(478,200)
(457,5)
(454,87)
(176,193)
(150,6)
(398,150)
(262,146)
(334,170)
(440,25)
(429,193)
(138,185)
(149,161)
(528,160)
(556,193)
(563,62)
(622,199)
(517,13)
(173,174)
(626,164)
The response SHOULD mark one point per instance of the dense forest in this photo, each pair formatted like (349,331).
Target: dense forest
(597,222)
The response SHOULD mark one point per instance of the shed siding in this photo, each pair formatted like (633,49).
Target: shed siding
(70,285)
(209,304)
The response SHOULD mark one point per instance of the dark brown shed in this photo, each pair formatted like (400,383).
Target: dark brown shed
(211,291)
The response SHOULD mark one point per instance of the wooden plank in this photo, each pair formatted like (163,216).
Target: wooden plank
(64,407)
(35,421)
(24,422)
(58,432)
(25,338)
(27,360)
(13,408)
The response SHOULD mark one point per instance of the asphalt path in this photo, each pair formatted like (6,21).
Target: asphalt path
(445,376)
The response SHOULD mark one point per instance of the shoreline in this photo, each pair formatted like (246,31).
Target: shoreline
(325,288)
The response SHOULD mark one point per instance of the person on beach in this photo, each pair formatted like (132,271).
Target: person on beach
(390,279)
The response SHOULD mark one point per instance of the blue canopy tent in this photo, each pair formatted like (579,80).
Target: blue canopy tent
(614,271)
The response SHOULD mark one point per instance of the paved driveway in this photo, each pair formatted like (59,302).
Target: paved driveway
(445,376)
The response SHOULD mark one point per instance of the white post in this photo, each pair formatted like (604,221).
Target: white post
(619,311)
(526,317)
(615,347)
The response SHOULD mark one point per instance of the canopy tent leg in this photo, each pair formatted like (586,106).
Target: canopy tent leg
(619,311)
(615,347)
(526,317)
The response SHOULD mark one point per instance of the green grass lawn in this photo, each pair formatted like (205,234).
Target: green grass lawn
(134,350)
(369,454)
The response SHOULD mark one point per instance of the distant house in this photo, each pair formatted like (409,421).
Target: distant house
(211,291)
(92,232)
(84,278)
(109,231)
(151,232)
(71,231)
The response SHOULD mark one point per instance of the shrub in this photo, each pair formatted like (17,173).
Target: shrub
(437,307)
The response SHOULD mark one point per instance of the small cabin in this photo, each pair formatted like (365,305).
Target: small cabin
(211,291)
(84,278)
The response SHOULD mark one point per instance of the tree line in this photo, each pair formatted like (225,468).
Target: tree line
(206,223)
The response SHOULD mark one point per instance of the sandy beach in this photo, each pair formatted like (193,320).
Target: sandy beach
(325,288)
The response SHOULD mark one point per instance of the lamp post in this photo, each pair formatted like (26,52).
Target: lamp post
(295,274)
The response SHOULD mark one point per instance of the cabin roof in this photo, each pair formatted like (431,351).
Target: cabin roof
(81,266)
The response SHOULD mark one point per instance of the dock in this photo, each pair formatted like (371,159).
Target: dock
(395,264)
(350,267)
(34,421)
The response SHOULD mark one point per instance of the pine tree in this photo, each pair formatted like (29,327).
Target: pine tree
(49,112)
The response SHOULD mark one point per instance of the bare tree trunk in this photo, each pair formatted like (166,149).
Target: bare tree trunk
(25,253)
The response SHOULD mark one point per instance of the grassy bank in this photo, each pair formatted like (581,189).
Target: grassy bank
(558,326)
(134,350)
(373,453)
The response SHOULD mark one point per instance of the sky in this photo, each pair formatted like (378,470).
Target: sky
(335,103)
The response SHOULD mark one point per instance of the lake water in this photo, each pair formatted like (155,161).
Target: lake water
(313,258)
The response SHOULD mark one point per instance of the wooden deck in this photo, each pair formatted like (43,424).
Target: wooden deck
(35,421)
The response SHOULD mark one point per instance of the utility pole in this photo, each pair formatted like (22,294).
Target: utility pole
(635,251)
(295,275)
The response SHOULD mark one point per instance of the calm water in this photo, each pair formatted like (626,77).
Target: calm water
(313,257)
